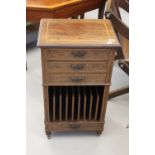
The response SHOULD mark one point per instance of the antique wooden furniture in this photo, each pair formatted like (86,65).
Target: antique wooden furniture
(37,9)
(77,61)
(113,13)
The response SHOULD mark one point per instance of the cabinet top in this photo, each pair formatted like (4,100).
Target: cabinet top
(77,33)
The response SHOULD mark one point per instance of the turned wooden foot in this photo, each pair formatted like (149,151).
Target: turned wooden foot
(98,133)
(48,134)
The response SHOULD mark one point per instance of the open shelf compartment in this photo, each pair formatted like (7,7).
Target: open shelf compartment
(75,103)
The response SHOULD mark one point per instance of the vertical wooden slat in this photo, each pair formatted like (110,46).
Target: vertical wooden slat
(91,103)
(54,108)
(66,110)
(85,100)
(79,103)
(73,103)
(60,104)
(97,104)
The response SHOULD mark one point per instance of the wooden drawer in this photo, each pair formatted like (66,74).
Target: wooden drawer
(86,67)
(76,79)
(77,54)
(75,126)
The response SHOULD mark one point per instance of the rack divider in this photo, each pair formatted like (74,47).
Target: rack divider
(79,103)
(66,109)
(60,104)
(91,102)
(85,100)
(54,108)
(73,103)
(97,103)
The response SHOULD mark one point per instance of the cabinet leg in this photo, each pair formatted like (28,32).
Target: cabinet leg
(82,16)
(99,132)
(48,134)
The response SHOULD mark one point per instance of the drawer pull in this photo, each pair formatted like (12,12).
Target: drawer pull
(74,126)
(77,79)
(78,54)
(78,67)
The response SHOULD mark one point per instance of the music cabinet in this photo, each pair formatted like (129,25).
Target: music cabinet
(77,60)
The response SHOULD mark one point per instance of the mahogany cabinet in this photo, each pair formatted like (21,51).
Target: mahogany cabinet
(77,62)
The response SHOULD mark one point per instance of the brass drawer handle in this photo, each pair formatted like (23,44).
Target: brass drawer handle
(77,79)
(74,126)
(77,67)
(78,54)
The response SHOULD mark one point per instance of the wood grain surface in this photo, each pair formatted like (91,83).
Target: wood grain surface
(63,32)
(38,9)
(49,4)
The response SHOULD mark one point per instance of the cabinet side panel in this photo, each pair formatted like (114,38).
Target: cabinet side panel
(45,88)
(106,90)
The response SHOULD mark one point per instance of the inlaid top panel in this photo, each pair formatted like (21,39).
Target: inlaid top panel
(76,33)
(49,4)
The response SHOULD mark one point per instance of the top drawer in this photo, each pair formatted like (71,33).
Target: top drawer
(77,54)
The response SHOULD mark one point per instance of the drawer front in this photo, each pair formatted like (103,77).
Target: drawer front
(77,54)
(86,67)
(85,126)
(76,79)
